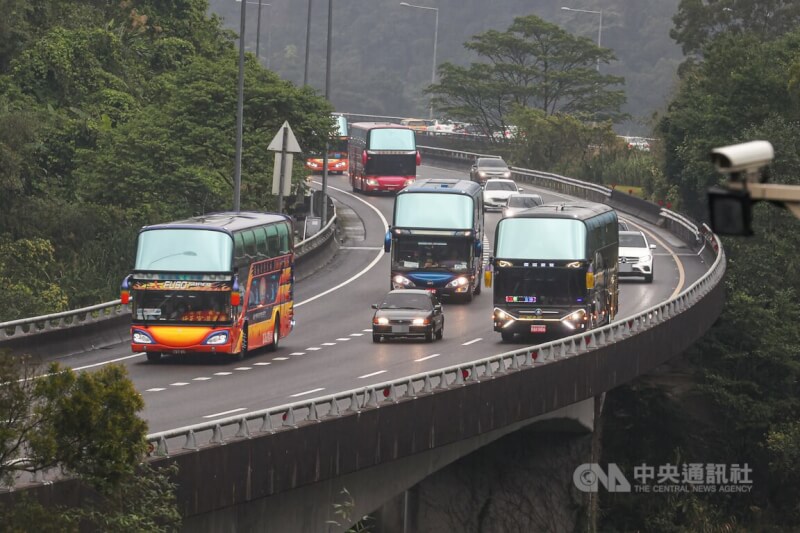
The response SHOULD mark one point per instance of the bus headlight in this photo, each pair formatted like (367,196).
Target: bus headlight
(502,316)
(458,282)
(401,282)
(573,319)
(339,164)
(140,337)
(220,337)
(409,181)
(372,181)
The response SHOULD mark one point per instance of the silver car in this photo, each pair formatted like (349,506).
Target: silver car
(635,255)
(520,202)
(486,168)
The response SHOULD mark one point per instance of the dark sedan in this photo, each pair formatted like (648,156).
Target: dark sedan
(408,313)
(486,168)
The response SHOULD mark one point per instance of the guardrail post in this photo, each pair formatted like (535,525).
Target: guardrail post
(427,387)
(288,418)
(392,395)
(244,429)
(488,372)
(372,398)
(442,381)
(459,377)
(312,412)
(162,449)
(573,350)
(216,436)
(528,358)
(514,363)
(266,424)
(473,374)
(354,408)
(410,392)
(583,345)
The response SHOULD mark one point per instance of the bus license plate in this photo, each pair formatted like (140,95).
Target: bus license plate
(538,328)
(399,329)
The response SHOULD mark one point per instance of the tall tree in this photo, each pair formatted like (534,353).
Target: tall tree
(532,64)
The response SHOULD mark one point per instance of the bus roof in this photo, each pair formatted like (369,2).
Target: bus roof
(577,211)
(226,221)
(443,185)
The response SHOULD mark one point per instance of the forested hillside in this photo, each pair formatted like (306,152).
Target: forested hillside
(382,51)
(114,115)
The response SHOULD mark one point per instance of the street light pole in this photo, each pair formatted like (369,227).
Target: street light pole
(599,29)
(308,44)
(237,169)
(435,41)
(327,97)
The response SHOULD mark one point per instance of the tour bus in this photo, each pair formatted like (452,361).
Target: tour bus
(436,238)
(383,156)
(337,151)
(219,283)
(555,270)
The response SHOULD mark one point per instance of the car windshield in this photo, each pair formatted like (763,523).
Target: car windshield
(632,241)
(524,201)
(406,301)
(501,186)
(493,163)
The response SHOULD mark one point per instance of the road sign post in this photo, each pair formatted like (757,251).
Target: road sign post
(286,144)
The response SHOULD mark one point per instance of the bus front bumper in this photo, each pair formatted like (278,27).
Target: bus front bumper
(563,324)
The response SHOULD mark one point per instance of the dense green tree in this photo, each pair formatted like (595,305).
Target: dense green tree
(532,64)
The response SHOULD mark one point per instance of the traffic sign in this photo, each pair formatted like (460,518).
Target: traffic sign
(277,144)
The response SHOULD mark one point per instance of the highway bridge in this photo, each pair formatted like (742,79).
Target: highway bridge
(274,439)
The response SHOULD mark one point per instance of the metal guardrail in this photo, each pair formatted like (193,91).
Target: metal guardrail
(85,316)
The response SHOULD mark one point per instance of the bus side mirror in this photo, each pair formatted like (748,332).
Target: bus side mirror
(590,280)
(364,158)
(419,159)
(125,290)
(487,274)
(387,242)
(236,296)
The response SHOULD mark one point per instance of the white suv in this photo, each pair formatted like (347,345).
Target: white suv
(496,193)
(635,255)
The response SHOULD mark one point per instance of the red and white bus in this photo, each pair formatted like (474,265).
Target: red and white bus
(220,283)
(383,156)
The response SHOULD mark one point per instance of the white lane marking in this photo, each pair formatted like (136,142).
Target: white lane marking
(225,412)
(178,384)
(223,373)
(201,378)
(373,248)
(109,362)
(262,364)
(157,389)
(370,375)
(312,391)
(297,353)
(367,330)
(243,368)
(328,344)
(368,267)
(428,357)
(357,334)
(473,341)
(313,348)
(280,358)
(343,339)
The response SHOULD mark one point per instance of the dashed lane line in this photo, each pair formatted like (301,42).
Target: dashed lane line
(373,374)
(473,341)
(223,413)
(312,391)
(428,357)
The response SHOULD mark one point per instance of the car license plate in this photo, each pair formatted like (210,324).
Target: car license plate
(431,290)
(538,328)
(399,329)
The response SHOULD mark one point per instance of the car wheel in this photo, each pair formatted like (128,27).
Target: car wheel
(154,357)
(649,278)
(468,296)
(507,336)
(440,333)
(429,335)
(276,334)
(477,287)
(376,338)
(240,355)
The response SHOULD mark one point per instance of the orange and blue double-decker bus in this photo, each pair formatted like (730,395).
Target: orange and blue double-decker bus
(221,283)
(337,151)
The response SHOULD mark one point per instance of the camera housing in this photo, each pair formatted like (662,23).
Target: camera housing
(743,162)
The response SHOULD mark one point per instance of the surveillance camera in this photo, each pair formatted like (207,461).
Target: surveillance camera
(743,159)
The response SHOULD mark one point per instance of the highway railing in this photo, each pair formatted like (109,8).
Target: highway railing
(91,316)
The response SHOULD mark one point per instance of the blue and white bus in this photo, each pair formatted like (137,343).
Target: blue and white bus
(436,238)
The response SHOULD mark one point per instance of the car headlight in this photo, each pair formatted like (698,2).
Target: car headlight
(458,282)
(372,181)
(221,337)
(482,174)
(402,280)
(419,322)
(381,321)
(507,174)
(140,337)
(645,258)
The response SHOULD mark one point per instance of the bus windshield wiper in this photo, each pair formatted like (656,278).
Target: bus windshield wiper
(185,252)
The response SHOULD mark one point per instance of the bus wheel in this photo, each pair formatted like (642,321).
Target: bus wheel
(276,334)
(507,336)
(240,355)
(154,357)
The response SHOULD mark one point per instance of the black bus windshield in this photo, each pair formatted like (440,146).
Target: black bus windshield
(391,165)
(541,286)
(165,306)
(426,251)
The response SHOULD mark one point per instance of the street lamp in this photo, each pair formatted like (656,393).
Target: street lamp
(599,30)
(308,45)
(435,40)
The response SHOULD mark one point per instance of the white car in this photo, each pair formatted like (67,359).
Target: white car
(520,202)
(635,255)
(496,193)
